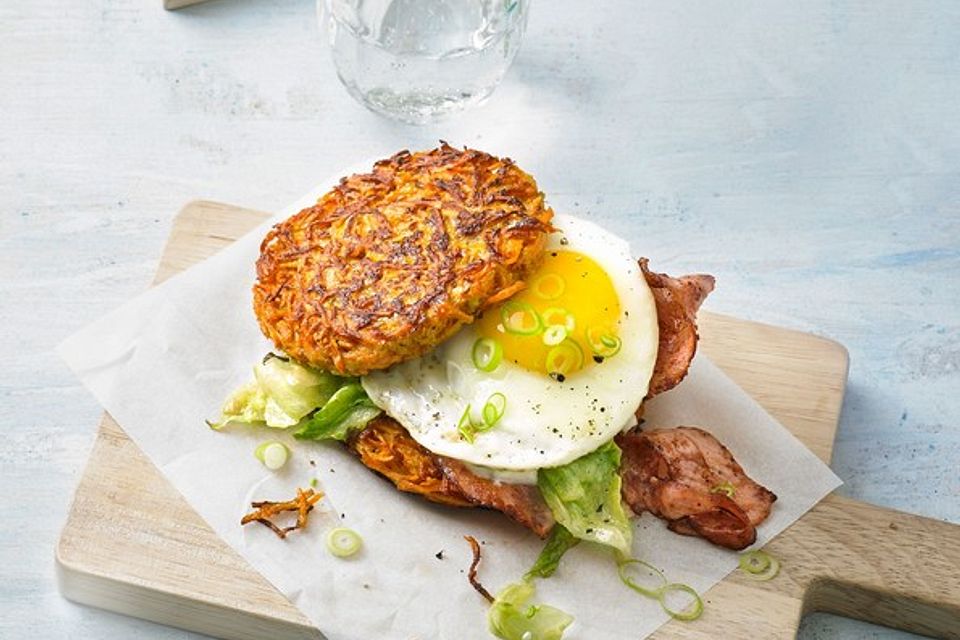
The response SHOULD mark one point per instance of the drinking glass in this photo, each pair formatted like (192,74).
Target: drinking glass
(419,60)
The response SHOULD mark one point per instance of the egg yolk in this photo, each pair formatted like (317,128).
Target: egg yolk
(565,320)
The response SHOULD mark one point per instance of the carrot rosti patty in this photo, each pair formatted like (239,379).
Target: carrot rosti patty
(390,263)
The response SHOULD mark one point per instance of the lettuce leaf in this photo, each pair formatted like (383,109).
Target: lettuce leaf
(559,542)
(286,394)
(293,389)
(349,408)
(584,496)
(511,618)
(247,404)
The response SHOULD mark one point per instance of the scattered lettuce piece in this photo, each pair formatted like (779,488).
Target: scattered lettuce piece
(286,394)
(349,408)
(584,496)
(559,542)
(511,618)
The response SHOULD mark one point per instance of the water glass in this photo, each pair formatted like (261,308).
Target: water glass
(419,60)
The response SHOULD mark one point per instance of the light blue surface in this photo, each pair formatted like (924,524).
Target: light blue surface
(807,154)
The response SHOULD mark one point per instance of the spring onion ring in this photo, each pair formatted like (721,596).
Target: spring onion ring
(491,413)
(564,358)
(725,488)
(520,318)
(343,542)
(493,410)
(603,342)
(627,580)
(554,334)
(687,613)
(272,454)
(465,426)
(759,565)
(487,354)
(549,286)
(559,315)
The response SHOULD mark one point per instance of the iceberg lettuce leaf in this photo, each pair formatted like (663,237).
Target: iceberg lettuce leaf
(349,408)
(584,497)
(246,405)
(286,394)
(511,618)
(559,542)
(295,390)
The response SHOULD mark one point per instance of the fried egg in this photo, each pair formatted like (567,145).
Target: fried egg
(544,378)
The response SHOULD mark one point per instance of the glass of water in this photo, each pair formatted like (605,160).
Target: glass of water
(419,60)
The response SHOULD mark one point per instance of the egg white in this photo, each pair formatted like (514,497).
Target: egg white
(546,423)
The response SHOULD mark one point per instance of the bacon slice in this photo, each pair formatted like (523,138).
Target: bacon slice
(677,474)
(677,300)
(387,448)
(522,502)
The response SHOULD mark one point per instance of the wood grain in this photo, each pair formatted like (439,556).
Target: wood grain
(131,543)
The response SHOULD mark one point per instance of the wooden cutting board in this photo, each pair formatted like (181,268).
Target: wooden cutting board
(131,544)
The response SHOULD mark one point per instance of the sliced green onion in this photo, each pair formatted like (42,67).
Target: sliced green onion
(554,335)
(725,488)
(759,565)
(564,358)
(549,286)
(656,574)
(343,542)
(690,612)
(272,454)
(520,318)
(487,354)
(603,342)
(559,315)
(465,426)
(493,410)
(491,413)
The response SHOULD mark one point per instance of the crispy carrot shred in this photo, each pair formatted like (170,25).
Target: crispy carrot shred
(264,510)
(472,574)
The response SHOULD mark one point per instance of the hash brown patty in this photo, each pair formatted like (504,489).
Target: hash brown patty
(390,263)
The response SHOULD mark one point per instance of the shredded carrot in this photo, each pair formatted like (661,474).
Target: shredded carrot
(302,504)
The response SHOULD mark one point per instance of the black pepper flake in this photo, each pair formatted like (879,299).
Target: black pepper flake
(554,254)
(559,377)
(564,241)
(598,359)
(438,555)
(312,463)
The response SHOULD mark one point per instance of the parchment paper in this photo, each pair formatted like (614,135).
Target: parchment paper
(165,361)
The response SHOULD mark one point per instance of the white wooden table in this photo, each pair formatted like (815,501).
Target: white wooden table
(808,154)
